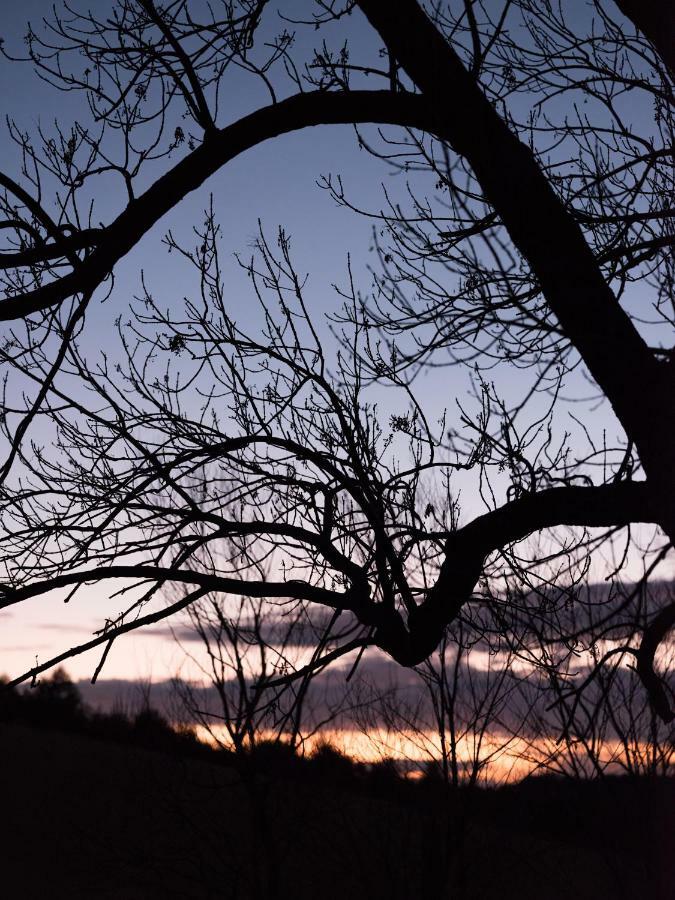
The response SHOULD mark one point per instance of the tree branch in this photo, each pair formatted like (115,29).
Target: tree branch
(296,589)
(656,20)
(67,244)
(539,224)
(653,635)
(296,112)
(467,548)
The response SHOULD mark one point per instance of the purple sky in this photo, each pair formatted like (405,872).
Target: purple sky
(276,183)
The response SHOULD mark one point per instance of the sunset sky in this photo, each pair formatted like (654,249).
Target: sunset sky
(337,461)
(275,183)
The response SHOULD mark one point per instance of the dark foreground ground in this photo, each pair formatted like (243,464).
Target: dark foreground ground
(88,817)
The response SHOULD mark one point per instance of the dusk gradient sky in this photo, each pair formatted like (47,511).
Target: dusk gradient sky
(275,183)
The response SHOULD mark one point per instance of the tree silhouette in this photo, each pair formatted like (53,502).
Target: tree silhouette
(536,201)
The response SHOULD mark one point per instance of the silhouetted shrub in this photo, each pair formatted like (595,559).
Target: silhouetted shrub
(326,760)
(9,701)
(55,703)
(52,703)
(274,757)
(113,726)
(151,726)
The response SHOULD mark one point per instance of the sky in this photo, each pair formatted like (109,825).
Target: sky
(275,183)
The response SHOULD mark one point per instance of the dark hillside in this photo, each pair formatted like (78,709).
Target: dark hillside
(87,817)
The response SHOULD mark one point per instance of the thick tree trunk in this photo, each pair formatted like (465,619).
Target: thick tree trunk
(639,387)
(656,20)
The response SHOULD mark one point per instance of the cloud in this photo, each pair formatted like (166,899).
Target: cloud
(63,627)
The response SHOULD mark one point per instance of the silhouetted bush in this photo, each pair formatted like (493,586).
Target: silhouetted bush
(327,761)
(9,701)
(53,703)
(56,703)
(273,758)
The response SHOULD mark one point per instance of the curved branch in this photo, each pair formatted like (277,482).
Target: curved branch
(320,663)
(539,225)
(604,506)
(299,590)
(656,20)
(81,240)
(467,548)
(107,637)
(294,113)
(653,636)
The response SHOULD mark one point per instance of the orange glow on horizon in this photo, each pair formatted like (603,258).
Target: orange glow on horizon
(499,759)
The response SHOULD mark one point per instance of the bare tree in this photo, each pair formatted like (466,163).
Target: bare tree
(587,720)
(536,200)
(448,724)
(248,656)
